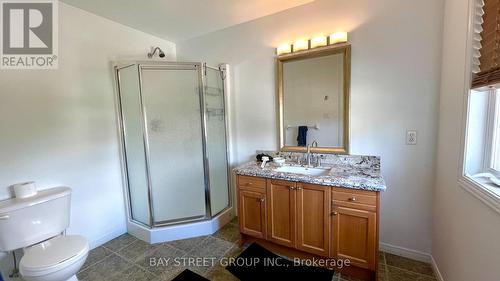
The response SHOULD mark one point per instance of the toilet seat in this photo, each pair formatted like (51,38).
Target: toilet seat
(53,255)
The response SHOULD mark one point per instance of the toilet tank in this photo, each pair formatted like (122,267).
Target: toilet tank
(24,222)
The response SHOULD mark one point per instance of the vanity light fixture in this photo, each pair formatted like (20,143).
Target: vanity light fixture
(300,45)
(284,49)
(338,37)
(318,41)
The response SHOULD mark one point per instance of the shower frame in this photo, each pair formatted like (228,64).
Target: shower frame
(201,68)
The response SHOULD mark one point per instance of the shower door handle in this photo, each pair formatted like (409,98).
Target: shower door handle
(4,217)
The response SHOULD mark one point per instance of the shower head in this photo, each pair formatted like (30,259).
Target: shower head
(151,54)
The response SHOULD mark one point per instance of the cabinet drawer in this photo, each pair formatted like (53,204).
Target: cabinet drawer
(354,197)
(255,182)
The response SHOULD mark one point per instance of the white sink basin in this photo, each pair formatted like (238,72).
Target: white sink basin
(304,170)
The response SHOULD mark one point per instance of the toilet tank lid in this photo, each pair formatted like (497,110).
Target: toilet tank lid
(42,196)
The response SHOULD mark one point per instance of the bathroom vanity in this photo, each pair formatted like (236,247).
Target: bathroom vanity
(330,212)
(332,215)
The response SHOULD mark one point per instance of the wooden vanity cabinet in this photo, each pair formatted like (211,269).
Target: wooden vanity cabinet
(313,219)
(298,216)
(281,208)
(324,221)
(354,227)
(252,206)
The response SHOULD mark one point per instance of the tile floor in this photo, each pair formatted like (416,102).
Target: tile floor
(127,258)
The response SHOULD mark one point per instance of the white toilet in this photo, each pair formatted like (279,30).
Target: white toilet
(36,225)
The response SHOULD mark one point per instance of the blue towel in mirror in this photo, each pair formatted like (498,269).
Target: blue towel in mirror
(302,136)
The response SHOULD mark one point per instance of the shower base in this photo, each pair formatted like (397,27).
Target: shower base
(180,231)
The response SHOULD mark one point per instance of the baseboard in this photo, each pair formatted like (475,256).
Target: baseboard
(436,269)
(405,252)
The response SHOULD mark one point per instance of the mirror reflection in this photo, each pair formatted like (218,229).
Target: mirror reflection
(313,96)
(314,101)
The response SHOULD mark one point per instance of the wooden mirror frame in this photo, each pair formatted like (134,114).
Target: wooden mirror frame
(344,48)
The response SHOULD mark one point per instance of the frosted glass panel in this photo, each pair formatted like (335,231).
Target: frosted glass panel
(174,128)
(134,143)
(216,141)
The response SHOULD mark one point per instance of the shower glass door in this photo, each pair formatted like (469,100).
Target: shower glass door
(134,142)
(173,126)
(216,139)
(174,129)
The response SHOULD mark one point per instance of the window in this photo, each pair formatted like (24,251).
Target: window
(480,170)
(493,164)
(483,140)
(482,156)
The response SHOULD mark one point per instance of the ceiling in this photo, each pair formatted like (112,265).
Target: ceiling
(177,20)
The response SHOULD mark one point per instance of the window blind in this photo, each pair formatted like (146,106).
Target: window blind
(486,43)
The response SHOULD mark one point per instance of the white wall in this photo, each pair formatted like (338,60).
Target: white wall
(58,127)
(396,55)
(466,231)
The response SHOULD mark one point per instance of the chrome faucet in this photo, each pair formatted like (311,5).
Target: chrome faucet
(308,154)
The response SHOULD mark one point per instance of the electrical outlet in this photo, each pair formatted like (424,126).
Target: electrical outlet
(411,137)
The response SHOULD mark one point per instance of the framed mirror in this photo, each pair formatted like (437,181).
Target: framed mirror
(313,99)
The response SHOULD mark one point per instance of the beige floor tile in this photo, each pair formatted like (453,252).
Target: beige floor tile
(186,245)
(135,251)
(170,273)
(235,221)
(96,255)
(211,247)
(235,250)
(120,242)
(219,273)
(382,272)
(381,257)
(127,258)
(409,264)
(230,232)
(133,273)
(398,274)
(170,257)
(105,269)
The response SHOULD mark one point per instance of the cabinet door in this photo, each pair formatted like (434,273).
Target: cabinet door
(313,218)
(252,213)
(281,212)
(354,235)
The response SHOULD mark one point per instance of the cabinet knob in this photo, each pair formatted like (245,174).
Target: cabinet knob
(292,187)
(299,188)
(352,199)
(249,183)
(334,213)
(262,199)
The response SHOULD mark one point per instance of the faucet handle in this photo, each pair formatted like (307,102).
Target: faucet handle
(318,160)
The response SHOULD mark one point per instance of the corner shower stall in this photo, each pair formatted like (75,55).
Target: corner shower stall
(174,148)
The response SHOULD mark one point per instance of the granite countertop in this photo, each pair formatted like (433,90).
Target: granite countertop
(347,176)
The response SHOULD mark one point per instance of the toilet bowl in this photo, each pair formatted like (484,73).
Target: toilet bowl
(57,259)
(35,224)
